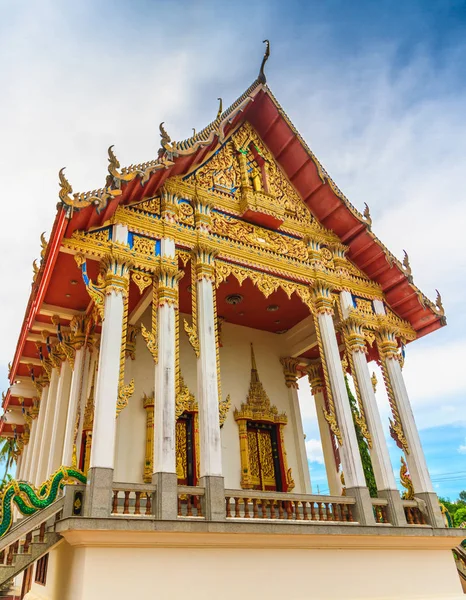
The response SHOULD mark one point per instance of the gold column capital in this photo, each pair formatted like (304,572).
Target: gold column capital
(168,275)
(290,370)
(169,209)
(387,343)
(313,372)
(354,334)
(204,254)
(203,213)
(321,297)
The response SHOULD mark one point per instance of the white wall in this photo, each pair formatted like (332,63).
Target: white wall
(247,573)
(235,365)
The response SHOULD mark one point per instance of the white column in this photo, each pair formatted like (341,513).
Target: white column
(35,449)
(43,457)
(290,370)
(106,393)
(349,449)
(333,476)
(59,419)
(25,471)
(77,381)
(416,460)
(207,383)
(380,457)
(388,351)
(164,410)
(90,360)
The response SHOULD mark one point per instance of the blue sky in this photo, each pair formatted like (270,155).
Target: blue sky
(377,89)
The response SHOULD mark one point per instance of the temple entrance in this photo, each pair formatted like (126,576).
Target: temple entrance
(185,450)
(264,457)
(260,426)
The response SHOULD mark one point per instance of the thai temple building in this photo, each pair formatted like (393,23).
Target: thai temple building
(153,393)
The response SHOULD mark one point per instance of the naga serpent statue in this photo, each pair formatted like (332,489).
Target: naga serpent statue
(29,500)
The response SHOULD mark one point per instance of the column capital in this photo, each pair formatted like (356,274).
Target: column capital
(204,254)
(290,370)
(315,378)
(354,333)
(386,336)
(168,276)
(169,208)
(114,268)
(81,327)
(202,213)
(321,297)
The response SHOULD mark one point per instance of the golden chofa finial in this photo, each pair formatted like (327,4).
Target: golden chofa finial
(114,165)
(65,187)
(439,303)
(43,245)
(367,215)
(220,108)
(165,139)
(406,265)
(262,78)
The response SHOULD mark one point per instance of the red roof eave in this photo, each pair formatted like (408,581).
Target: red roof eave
(38,291)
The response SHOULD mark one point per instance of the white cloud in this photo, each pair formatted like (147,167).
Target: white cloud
(462,447)
(314,451)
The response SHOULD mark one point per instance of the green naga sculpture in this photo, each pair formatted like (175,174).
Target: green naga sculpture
(29,500)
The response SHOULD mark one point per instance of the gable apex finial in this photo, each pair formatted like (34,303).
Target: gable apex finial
(262,78)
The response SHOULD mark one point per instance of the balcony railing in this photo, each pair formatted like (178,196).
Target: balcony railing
(132,499)
(249,504)
(414,515)
(380,508)
(190,501)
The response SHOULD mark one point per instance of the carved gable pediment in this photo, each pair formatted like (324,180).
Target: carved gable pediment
(244,169)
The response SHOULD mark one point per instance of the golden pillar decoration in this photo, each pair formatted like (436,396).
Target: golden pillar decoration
(148,403)
(114,278)
(88,420)
(131,341)
(355,341)
(374,382)
(150,337)
(258,409)
(191,330)
(388,350)
(322,303)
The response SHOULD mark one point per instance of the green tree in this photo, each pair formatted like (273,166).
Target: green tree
(462,497)
(7,453)
(363,447)
(460,516)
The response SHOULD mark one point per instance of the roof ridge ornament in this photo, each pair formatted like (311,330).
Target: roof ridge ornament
(262,78)
(367,215)
(165,139)
(439,303)
(220,108)
(407,267)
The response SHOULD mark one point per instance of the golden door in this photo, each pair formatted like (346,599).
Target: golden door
(185,450)
(263,457)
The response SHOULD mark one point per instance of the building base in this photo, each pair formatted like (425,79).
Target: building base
(96,564)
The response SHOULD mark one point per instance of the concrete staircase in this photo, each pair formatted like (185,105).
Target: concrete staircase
(28,540)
